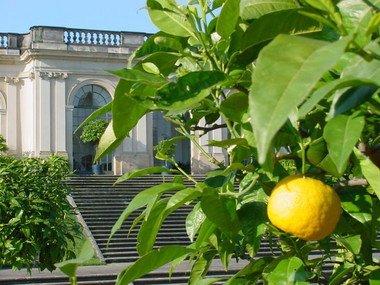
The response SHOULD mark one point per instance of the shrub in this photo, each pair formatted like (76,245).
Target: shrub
(93,131)
(3,145)
(37,223)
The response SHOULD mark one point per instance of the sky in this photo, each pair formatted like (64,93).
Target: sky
(18,16)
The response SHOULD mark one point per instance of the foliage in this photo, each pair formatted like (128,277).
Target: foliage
(37,223)
(301,77)
(3,145)
(93,131)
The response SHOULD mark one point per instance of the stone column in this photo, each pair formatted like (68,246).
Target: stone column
(60,115)
(13,115)
(69,133)
(44,115)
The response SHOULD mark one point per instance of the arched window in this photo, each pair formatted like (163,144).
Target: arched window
(88,99)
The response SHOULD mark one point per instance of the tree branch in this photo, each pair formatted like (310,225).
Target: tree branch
(207,129)
(355,182)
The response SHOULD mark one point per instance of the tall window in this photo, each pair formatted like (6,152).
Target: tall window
(88,99)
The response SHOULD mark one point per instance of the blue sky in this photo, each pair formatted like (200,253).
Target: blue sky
(18,16)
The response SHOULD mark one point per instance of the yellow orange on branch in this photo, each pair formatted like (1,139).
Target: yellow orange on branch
(304,207)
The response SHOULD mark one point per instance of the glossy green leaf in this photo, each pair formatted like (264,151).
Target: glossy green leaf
(341,134)
(70,266)
(252,218)
(201,266)
(169,42)
(150,68)
(253,269)
(374,277)
(228,18)
(353,243)
(374,24)
(188,90)
(289,271)
(150,227)
(194,221)
(108,142)
(135,75)
(228,143)
(329,88)
(164,61)
(206,230)
(221,210)
(271,25)
(141,172)
(282,81)
(358,203)
(350,99)
(235,106)
(125,111)
(356,17)
(101,111)
(142,199)
(171,23)
(253,9)
(370,171)
(151,261)
(340,272)
(149,47)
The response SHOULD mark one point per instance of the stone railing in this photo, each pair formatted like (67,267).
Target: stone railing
(9,41)
(3,40)
(75,37)
(92,37)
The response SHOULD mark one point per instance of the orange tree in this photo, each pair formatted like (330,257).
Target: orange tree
(296,84)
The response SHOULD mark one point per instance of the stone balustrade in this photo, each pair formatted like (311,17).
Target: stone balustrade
(71,37)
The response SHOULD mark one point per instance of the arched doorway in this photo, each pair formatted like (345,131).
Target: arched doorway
(86,100)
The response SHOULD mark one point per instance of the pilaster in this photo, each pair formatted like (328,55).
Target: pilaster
(44,114)
(13,114)
(60,114)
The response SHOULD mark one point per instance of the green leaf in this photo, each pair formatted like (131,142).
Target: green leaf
(253,217)
(141,172)
(357,203)
(340,272)
(254,268)
(370,171)
(151,261)
(228,18)
(271,25)
(150,68)
(350,99)
(101,111)
(108,142)
(353,243)
(70,266)
(235,106)
(356,17)
(150,227)
(253,9)
(206,230)
(194,221)
(188,90)
(220,210)
(282,81)
(125,111)
(134,75)
(201,266)
(289,271)
(374,277)
(171,23)
(168,42)
(164,61)
(341,134)
(142,199)
(329,88)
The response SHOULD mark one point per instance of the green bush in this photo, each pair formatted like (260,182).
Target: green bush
(3,145)
(93,131)
(37,223)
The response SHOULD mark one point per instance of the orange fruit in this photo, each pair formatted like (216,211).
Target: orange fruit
(304,207)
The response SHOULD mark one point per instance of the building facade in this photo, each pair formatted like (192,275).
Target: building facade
(52,78)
